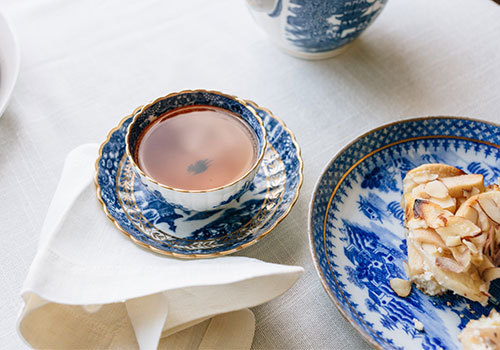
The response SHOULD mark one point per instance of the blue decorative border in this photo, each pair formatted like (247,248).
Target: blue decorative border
(348,170)
(112,152)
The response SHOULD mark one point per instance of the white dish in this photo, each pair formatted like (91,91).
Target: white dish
(9,62)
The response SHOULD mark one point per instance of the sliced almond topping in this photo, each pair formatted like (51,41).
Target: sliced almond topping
(496,259)
(415,224)
(430,249)
(432,213)
(427,236)
(483,221)
(447,203)
(477,256)
(449,264)
(485,265)
(460,201)
(430,169)
(420,192)
(461,249)
(463,258)
(458,226)
(479,240)
(476,259)
(400,286)
(484,290)
(436,189)
(473,249)
(456,185)
(408,203)
(472,192)
(415,261)
(490,204)
(467,212)
(424,177)
(442,170)
(491,274)
(493,187)
(453,241)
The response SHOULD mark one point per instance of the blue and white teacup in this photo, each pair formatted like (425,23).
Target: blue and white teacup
(198,200)
(314,29)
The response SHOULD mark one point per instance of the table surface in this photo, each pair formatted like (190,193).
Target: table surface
(86,64)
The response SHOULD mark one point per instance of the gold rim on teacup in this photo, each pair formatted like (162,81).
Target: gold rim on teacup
(188,255)
(256,163)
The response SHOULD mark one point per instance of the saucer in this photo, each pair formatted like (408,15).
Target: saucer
(357,235)
(152,222)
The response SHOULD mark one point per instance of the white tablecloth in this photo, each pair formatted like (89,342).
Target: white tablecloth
(86,64)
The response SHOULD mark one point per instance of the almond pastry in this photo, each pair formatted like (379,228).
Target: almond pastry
(453,231)
(482,334)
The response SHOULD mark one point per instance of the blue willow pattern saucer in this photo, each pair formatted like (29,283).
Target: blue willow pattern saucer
(357,235)
(150,221)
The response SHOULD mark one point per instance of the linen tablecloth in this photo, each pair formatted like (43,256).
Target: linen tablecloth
(86,64)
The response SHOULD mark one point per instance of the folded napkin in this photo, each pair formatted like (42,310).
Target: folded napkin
(90,287)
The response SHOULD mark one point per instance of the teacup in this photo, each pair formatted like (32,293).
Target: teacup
(182,143)
(314,29)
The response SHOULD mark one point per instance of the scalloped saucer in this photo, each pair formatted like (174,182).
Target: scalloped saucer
(151,222)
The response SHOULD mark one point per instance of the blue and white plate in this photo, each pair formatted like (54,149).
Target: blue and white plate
(357,236)
(150,221)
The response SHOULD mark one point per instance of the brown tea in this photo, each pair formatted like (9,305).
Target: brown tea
(197,148)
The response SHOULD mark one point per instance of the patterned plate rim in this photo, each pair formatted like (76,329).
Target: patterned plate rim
(367,336)
(200,256)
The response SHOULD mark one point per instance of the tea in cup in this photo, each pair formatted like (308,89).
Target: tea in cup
(196,149)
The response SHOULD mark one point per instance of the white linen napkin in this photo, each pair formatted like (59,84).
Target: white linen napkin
(91,287)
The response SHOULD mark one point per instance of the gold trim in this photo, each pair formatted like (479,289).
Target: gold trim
(201,256)
(265,203)
(324,283)
(234,98)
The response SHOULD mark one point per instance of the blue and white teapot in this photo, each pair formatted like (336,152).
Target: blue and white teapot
(314,29)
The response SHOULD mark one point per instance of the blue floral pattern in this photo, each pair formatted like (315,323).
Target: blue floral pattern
(357,236)
(151,221)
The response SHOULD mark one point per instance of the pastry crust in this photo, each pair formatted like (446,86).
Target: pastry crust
(453,231)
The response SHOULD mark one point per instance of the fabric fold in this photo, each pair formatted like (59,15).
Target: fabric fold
(87,275)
